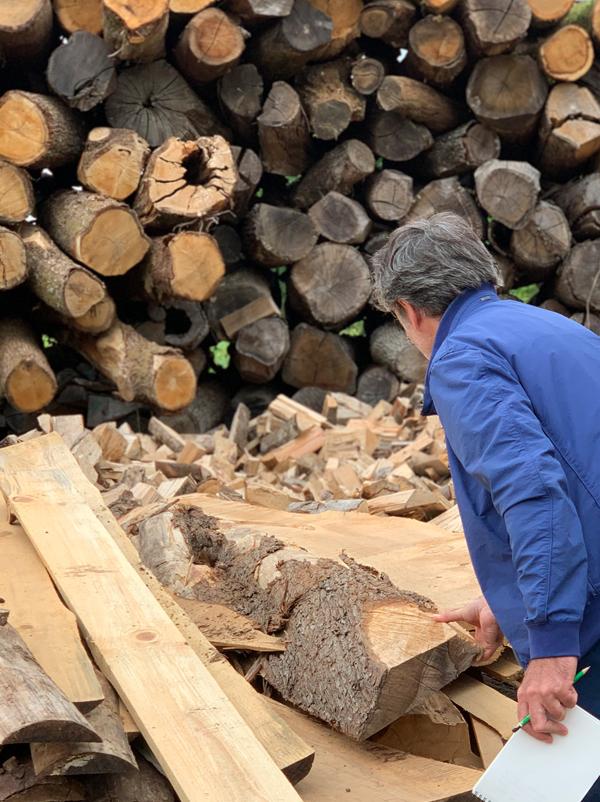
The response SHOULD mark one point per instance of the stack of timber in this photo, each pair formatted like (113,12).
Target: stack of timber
(192,190)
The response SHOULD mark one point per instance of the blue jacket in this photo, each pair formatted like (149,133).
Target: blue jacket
(517,389)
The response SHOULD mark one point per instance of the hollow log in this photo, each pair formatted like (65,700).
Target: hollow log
(17,200)
(136,31)
(331,286)
(437,49)
(276,235)
(377,383)
(461,150)
(543,243)
(367,75)
(99,232)
(206,411)
(340,219)
(580,201)
(79,15)
(508,191)
(319,359)
(26,378)
(420,103)
(13,261)
(81,71)
(391,348)
(240,96)
(283,132)
(113,162)
(577,285)
(345,16)
(507,93)
(547,13)
(395,138)
(260,349)
(253,11)
(235,292)
(140,369)
(156,101)
(38,131)
(567,54)
(186,180)
(329,99)
(389,20)
(389,194)
(495,29)
(143,783)
(211,43)
(446,195)
(569,131)
(249,169)
(338,170)
(180,324)
(25,30)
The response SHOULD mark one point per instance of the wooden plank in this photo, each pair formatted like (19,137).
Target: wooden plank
(203,745)
(449,520)
(488,705)
(489,742)
(505,669)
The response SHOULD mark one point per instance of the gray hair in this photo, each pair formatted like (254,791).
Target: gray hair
(430,262)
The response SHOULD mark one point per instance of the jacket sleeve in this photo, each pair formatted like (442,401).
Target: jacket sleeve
(493,430)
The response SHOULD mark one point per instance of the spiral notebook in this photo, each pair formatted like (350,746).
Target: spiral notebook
(530,770)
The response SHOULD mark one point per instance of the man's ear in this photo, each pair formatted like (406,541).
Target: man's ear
(410,314)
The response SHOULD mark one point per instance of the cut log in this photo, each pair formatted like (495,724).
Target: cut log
(187,265)
(394,137)
(578,286)
(495,29)
(543,243)
(260,349)
(237,291)
(263,306)
(18,781)
(81,71)
(38,131)
(131,786)
(586,14)
(567,54)
(25,29)
(508,191)
(460,151)
(79,15)
(420,103)
(253,11)
(331,286)
(249,174)
(391,348)
(140,369)
(26,378)
(389,20)
(446,195)
(229,242)
(13,261)
(507,93)
(339,170)
(276,235)
(206,411)
(329,99)
(345,16)
(113,162)
(437,49)
(340,219)
(181,324)
(367,75)
(186,180)
(99,232)
(211,43)
(547,13)
(335,369)
(283,132)
(189,6)
(569,131)
(136,31)
(100,317)
(16,193)
(440,6)
(580,201)
(377,383)
(240,95)
(156,101)
(389,194)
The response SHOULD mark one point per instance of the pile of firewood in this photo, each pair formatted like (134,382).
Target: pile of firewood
(191,190)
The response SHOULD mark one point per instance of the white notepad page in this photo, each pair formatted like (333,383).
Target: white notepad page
(527,770)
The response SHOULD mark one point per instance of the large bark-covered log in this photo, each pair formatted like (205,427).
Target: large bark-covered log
(17,200)
(180,324)
(495,28)
(377,383)
(38,131)
(134,785)
(240,96)
(340,219)
(211,43)
(186,180)
(81,71)
(329,99)
(18,781)
(319,359)
(260,349)
(97,231)
(578,284)
(113,162)
(389,195)
(79,15)
(339,170)
(569,131)
(508,191)
(437,49)
(420,103)
(567,54)
(331,286)
(446,195)
(367,74)
(580,201)
(389,20)
(277,235)
(283,132)
(26,378)
(547,13)
(543,243)
(25,29)
(237,290)
(253,11)
(507,93)
(395,138)
(391,348)
(206,410)
(13,261)
(136,31)
(460,150)
(140,369)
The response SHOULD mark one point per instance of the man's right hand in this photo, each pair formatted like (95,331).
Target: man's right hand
(477,613)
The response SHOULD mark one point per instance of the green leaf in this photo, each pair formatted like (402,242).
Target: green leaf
(379,163)
(220,354)
(356,329)
(259,193)
(292,179)
(48,341)
(526,293)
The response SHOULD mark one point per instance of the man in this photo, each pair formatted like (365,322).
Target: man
(517,389)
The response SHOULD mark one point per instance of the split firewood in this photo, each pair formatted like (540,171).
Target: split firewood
(420,103)
(25,30)
(13,260)
(495,29)
(240,96)
(437,49)
(458,151)
(113,162)
(543,243)
(339,170)
(341,219)
(567,54)
(283,132)
(330,100)
(569,131)
(367,75)
(276,235)
(136,31)
(210,45)
(389,20)
(508,191)
(260,349)
(446,195)
(26,379)
(334,370)
(82,71)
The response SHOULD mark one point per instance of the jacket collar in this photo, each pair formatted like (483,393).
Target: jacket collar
(460,307)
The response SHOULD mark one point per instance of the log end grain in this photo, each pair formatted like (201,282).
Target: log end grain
(568,54)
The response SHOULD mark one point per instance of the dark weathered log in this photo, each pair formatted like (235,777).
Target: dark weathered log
(13,261)
(569,132)
(25,30)
(319,359)
(249,170)
(580,201)
(99,232)
(389,194)
(578,284)
(395,138)
(447,195)
(460,151)
(547,13)
(389,20)
(210,44)
(508,191)
(38,131)
(79,15)
(229,242)
(82,71)
(340,219)
(552,305)
(240,95)
(507,93)
(206,410)
(567,54)
(260,349)
(155,100)
(283,132)
(420,103)
(136,31)
(235,292)
(339,170)
(367,75)
(18,781)
(261,307)
(113,162)
(543,243)
(329,99)
(494,29)
(437,49)
(26,378)
(186,180)
(16,193)
(331,286)
(377,383)
(391,348)
(179,324)
(345,16)
(134,785)
(590,321)
(253,11)
(276,235)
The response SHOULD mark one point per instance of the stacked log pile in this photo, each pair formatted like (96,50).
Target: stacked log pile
(192,191)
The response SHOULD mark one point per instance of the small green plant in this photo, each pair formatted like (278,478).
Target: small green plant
(292,179)
(356,329)
(379,163)
(220,354)
(48,341)
(526,293)
(259,193)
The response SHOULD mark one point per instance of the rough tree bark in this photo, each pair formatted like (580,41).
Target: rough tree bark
(339,170)
(277,235)
(26,378)
(283,132)
(113,162)
(249,169)
(335,368)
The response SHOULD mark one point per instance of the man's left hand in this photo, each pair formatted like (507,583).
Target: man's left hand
(546,693)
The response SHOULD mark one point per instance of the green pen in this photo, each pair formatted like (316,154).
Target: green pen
(527,718)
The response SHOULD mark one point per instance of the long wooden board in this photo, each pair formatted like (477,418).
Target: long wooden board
(203,745)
